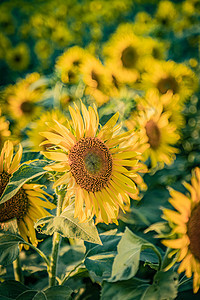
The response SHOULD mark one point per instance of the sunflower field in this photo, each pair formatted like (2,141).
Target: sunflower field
(99,150)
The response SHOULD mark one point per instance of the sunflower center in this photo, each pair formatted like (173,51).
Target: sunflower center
(153,134)
(129,57)
(91,164)
(15,207)
(194,232)
(97,79)
(17,58)
(27,107)
(165,84)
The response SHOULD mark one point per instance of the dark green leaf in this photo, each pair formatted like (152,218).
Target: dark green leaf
(9,247)
(164,287)
(27,295)
(68,226)
(58,293)
(100,258)
(127,290)
(126,263)
(25,172)
(11,289)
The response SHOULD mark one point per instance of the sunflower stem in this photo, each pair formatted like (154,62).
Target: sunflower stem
(56,243)
(18,270)
(40,253)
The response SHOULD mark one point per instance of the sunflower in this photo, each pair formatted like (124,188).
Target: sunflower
(23,103)
(166,13)
(4,129)
(169,75)
(68,64)
(18,58)
(185,229)
(155,130)
(97,79)
(26,205)
(124,50)
(93,164)
(40,125)
(171,104)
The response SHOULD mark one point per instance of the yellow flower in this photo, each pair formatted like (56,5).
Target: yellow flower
(23,103)
(93,164)
(4,46)
(26,205)
(124,50)
(97,79)
(168,75)
(18,58)
(166,13)
(185,238)
(155,130)
(171,104)
(4,129)
(40,125)
(43,49)
(68,64)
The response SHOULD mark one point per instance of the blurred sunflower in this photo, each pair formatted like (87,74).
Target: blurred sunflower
(68,64)
(124,50)
(93,164)
(184,237)
(23,104)
(171,104)
(40,125)
(61,35)
(168,75)
(43,49)
(4,46)
(4,129)
(155,130)
(7,24)
(26,205)
(18,58)
(166,13)
(97,79)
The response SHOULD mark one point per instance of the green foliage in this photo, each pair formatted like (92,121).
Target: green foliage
(99,258)
(68,226)
(9,247)
(126,262)
(164,287)
(26,172)
(15,290)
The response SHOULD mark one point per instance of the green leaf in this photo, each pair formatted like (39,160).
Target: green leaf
(127,290)
(58,293)
(126,263)
(164,287)
(9,247)
(25,172)
(52,293)
(100,258)
(68,226)
(12,289)
(28,295)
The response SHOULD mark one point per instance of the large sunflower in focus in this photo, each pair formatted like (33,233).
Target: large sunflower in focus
(26,205)
(154,129)
(185,224)
(96,165)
